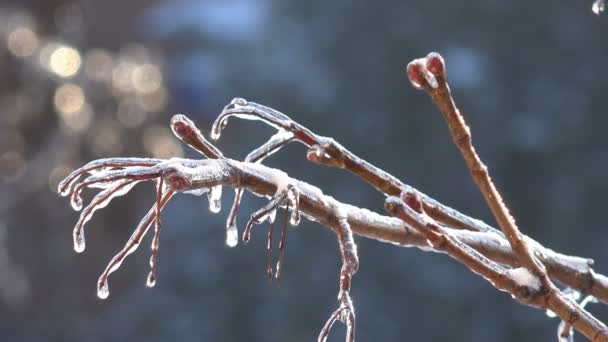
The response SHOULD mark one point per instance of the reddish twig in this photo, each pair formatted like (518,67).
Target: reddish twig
(430,75)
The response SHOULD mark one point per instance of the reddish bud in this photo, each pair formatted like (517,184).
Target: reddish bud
(415,72)
(435,64)
(412,200)
(182,126)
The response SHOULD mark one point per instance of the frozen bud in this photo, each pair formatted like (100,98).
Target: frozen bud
(413,201)
(435,64)
(416,74)
(181,126)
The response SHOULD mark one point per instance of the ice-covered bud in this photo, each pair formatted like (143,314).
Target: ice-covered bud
(412,200)
(435,64)
(181,126)
(416,74)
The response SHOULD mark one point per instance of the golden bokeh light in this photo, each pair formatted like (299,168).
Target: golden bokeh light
(98,65)
(146,78)
(22,42)
(69,98)
(160,143)
(65,61)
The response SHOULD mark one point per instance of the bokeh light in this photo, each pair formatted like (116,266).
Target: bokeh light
(98,65)
(146,78)
(65,61)
(69,98)
(22,42)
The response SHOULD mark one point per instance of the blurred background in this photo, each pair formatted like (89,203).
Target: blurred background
(92,79)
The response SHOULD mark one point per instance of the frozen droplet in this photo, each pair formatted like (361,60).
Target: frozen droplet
(294,217)
(79,242)
(238,102)
(232,236)
(103,291)
(151,281)
(598,6)
(215,199)
(152,261)
(76,201)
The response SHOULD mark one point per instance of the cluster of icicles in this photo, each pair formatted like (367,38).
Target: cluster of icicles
(102,170)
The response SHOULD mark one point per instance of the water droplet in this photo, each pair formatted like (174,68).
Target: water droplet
(151,281)
(550,314)
(152,261)
(598,6)
(103,291)
(215,199)
(238,101)
(79,242)
(294,218)
(232,236)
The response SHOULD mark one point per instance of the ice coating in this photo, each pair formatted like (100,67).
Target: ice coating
(65,186)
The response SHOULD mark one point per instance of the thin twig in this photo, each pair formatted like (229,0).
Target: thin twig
(430,74)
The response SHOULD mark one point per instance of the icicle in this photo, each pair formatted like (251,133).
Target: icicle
(79,242)
(232,236)
(151,281)
(103,290)
(101,200)
(215,199)
(294,203)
